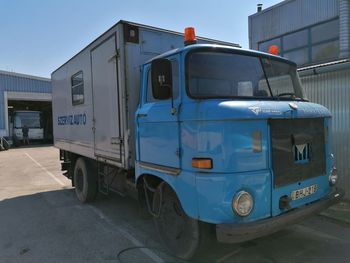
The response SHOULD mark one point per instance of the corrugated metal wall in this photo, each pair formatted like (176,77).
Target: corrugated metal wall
(13,82)
(289,16)
(25,84)
(332,89)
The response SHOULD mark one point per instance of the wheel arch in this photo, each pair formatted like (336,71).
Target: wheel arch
(155,179)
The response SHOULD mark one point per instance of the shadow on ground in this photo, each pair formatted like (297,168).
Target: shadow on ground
(54,227)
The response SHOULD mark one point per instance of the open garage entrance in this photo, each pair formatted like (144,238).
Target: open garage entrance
(36,115)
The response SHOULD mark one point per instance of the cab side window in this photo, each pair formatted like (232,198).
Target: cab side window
(175,73)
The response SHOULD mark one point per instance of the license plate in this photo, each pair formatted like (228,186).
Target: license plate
(301,193)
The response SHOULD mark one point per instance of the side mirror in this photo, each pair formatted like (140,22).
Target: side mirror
(161,79)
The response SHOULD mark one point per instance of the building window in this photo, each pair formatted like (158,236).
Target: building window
(314,44)
(77,82)
(295,40)
(325,51)
(299,56)
(325,32)
(264,46)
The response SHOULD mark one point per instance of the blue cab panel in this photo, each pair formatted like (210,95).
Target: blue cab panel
(228,143)
(236,135)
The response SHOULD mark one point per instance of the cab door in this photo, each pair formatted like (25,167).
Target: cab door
(158,125)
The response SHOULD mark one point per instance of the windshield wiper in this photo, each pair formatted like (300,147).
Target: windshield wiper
(291,94)
(265,75)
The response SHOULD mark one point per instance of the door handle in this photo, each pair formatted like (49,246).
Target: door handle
(141,115)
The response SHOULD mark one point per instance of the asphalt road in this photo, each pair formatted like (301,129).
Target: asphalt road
(42,221)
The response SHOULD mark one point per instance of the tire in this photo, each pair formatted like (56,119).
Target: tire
(85,181)
(182,236)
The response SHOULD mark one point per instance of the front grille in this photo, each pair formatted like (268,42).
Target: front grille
(298,149)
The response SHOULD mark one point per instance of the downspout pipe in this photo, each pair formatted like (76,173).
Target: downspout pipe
(344,28)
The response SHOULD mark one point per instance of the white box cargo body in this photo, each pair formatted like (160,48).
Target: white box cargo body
(95,93)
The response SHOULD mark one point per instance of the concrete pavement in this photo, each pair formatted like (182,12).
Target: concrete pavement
(42,221)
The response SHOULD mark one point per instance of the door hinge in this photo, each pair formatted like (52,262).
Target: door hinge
(116,140)
(93,125)
(178,152)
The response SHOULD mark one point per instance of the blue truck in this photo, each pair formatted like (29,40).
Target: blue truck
(210,138)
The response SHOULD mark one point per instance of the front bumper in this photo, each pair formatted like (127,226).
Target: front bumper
(237,233)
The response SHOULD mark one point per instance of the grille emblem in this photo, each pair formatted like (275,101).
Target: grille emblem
(300,148)
(255,110)
(302,153)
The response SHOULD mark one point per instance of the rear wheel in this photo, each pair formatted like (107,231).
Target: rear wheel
(85,181)
(183,236)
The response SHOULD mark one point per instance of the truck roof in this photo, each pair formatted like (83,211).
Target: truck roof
(146,27)
(222,48)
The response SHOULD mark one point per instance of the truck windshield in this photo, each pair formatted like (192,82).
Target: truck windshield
(29,119)
(227,75)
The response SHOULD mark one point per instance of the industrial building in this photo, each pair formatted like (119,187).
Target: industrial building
(316,35)
(27,96)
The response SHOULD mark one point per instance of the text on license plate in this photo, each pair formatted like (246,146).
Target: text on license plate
(301,193)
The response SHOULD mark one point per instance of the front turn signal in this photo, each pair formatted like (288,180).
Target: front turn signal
(202,163)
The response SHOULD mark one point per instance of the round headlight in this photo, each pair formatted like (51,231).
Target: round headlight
(242,204)
(333,177)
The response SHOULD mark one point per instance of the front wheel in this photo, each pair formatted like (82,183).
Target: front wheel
(183,236)
(85,181)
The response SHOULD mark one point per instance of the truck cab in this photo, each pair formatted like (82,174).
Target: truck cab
(226,137)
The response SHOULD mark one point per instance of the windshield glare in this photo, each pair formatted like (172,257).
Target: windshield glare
(227,75)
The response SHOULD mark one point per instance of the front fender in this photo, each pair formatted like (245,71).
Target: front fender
(216,192)
(183,184)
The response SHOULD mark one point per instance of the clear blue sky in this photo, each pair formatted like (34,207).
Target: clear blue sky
(37,36)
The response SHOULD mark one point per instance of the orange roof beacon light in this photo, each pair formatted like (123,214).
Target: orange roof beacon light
(190,36)
(274,50)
